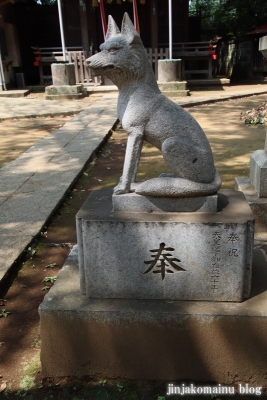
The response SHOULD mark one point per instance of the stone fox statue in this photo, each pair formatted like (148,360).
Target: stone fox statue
(146,114)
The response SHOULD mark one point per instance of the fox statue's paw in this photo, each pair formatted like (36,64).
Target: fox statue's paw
(121,188)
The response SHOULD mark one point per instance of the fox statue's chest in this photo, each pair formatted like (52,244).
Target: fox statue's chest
(133,113)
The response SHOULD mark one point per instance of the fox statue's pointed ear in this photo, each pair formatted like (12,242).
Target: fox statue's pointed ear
(113,29)
(128,30)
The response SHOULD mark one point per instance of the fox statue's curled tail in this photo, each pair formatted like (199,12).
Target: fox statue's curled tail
(146,114)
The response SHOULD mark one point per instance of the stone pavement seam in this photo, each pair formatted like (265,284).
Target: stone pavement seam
(201,100)
(24,107)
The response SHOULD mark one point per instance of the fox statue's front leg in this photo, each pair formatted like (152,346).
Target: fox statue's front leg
(132,155)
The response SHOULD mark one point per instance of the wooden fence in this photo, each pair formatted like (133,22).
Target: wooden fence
(154,55)
(83,74)
(46,56)
(194,51)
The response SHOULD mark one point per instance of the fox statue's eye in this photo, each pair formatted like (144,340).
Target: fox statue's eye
(113,49)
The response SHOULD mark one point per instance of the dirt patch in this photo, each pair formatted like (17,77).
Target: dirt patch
(19,331)
(17,135)
(20,371)
(231,140)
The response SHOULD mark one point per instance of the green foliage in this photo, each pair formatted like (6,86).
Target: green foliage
(256,116)
(45,287)
(229,17)
(48,279)
(51,279)
(106,151)
(4,313)
(254,120)
(30,252)
(51,265)
(27,382)
(120,387)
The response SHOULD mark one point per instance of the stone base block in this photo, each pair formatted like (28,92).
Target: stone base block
(257,204)
(138,203)
(15,93)
(66,96)
(65,92)
(174,89)
(208,82)
(154,339)
(177,93)
(258,172)
(169,70)
(63,74)
(163,255)
(172,86)
(244,185)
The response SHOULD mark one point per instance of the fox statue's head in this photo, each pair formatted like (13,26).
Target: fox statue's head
(123,56)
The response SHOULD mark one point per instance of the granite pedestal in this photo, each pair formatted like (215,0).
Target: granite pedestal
(165,255)
(154,339)
(169,70)
(130,322)
(63,74)
(174,89)
(169,79)
(255,187)
(64,83)
(263,46)
(68,92)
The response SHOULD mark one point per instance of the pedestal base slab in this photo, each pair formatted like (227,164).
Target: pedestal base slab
(154,339)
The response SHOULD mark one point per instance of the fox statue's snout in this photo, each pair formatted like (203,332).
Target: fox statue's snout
(146,114)
(100,63)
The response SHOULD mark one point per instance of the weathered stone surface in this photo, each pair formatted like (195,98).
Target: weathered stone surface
(263,43)
(146,114)
(134,202)
(264,53)
(211,252)
(255,191)
(154,339)
(16,93)
(63,74)
(169,70)
(174,89)
(258,206)
(75,96)
(65,92)
(172,86)
(258,172)
(175,93)
(168,186)
(263,46)
(64,89)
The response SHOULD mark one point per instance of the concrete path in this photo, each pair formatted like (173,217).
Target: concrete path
(32,186)
(27,107)
(211,97)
